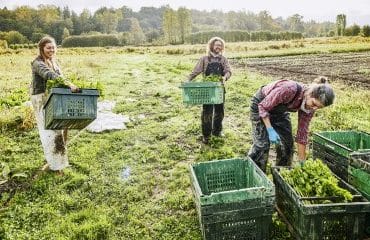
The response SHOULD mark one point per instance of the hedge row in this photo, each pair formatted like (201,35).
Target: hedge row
(3,44)
(101,40)
(243,36)
(26,45)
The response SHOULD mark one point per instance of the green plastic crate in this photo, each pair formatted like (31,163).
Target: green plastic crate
(359,173)
(321,221)
(335,148)
(359,177)
(66,110)
(197,93)
(234,199)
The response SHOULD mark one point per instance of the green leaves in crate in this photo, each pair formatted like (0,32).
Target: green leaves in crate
(56,83)
(79,81)
(314,179)
(212,78)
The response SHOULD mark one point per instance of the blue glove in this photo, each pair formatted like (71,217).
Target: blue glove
(273,135)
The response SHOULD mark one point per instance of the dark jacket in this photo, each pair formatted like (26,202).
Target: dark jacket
(41,72)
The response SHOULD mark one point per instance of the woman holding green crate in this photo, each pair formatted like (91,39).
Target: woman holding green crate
(44,68)
(213,64)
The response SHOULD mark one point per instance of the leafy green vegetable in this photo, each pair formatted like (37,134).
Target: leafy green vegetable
(279,229)
(56,83)
(212,78)
(314,179)
(6,174)
(15,98)
(79,81)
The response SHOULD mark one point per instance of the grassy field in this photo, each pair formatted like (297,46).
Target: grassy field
(92,200)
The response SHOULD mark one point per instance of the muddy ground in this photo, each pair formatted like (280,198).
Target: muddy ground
(351,68)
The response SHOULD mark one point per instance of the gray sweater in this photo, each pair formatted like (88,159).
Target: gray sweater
(41,72)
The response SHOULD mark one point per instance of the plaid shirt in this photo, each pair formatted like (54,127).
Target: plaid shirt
(283,92)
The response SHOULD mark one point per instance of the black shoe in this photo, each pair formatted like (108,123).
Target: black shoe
(205,140)
(219,135)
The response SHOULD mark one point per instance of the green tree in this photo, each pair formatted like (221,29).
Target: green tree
(331,33)
(356,29)
(353,30)
(65,33)
(7,20)
(66,13)
(86,21)
(341,24)
(107,19)
(266,22)
(184,22)
(170,26)
(48,15)
(295,23)
(36,36)
(241,21)
(124,23)
(13,37)
(152,35)
(24,17)
(57,29)
(311,28)
(136,35)
(3,44)
(366,30)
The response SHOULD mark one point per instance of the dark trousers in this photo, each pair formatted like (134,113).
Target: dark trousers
(212,116)
(260,149)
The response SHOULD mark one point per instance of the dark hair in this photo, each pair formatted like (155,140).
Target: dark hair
(322,91)
(45,40)
(321,79)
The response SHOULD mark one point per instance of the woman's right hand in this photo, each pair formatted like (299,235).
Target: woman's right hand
(273,135)
(74,88)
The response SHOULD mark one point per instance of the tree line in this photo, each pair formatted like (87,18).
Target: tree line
(151,25)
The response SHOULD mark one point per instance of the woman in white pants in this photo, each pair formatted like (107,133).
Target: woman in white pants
(44,68)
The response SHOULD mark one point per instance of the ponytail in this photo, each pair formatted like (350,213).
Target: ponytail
(322,91)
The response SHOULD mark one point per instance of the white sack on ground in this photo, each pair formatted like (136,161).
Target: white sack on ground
(106,119)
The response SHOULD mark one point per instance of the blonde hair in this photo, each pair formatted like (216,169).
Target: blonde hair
(211,43)
(45,40)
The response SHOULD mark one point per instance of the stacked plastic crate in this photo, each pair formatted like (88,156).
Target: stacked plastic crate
(234,199)
(309,219)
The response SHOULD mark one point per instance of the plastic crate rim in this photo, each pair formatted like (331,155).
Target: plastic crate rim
(359,151)
(268,189)
(331,141)
(200,84)
(56,91)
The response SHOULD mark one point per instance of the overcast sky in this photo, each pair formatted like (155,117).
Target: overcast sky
(357,11)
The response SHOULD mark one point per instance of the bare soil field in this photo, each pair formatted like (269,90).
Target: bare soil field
(351,68)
